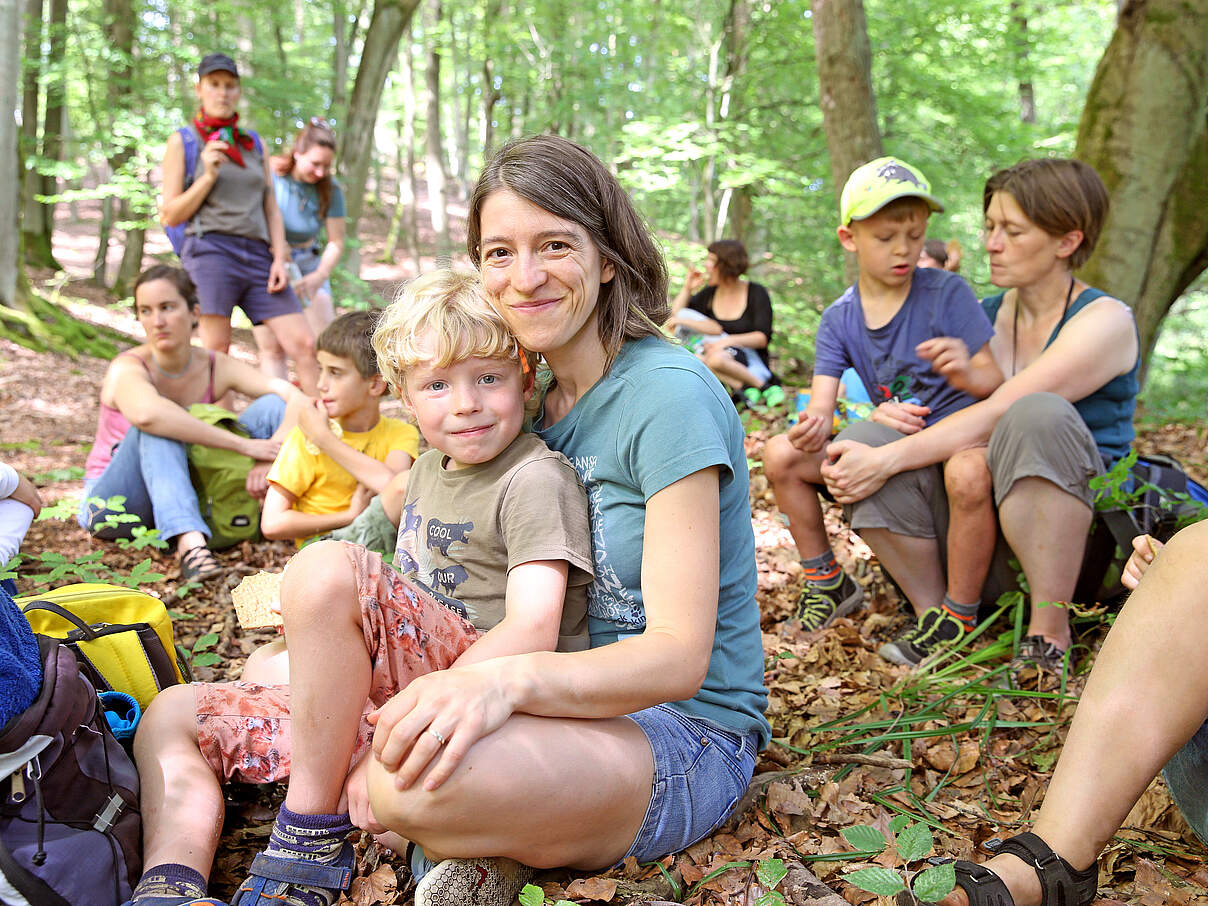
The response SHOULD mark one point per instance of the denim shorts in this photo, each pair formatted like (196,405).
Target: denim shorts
(700,773)
(307,258)
(1187,777)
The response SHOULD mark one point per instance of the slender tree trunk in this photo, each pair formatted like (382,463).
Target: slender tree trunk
(490,94)
(1023,63)
(434,165)
(736,206)
(339,61)
(849,108)
(119,29)
(38,250)
(404,222)
(132,256)
(1145,129)
(10,78)
(390,18)
(103,234)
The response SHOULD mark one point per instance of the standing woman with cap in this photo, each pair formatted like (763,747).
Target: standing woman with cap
(234,249)
(311,202)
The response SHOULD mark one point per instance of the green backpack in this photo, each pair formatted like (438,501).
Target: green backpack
(219,478)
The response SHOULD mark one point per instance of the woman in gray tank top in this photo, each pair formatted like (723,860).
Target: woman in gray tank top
(234,248)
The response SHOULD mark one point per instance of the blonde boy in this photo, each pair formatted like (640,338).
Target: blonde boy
(919,341)
(321,479)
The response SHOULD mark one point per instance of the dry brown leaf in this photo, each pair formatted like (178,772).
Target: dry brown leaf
(376,889)
(596,889)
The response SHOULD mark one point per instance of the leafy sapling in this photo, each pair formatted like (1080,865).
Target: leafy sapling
(912,843)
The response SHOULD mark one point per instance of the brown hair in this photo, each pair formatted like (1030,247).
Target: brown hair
(315,133)
(350,336)
(1057,194)
(570,182)
(732,260)
(174,275)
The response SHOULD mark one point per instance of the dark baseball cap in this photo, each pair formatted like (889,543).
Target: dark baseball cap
(217,62)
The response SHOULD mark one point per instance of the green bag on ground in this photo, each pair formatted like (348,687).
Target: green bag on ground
(219,477)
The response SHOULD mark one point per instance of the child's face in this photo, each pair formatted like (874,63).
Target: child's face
(886,247)
(342,389)
(470,410)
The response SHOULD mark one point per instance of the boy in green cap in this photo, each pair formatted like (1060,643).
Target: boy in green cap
(918,339)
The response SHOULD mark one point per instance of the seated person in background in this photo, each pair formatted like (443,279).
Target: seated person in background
(920,342)
(495,529)
(733,315)
(944,255)
(20,502)
(320,480)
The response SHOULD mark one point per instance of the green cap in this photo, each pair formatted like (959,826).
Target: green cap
(879,182)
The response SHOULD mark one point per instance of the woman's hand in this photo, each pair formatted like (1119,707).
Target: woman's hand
(461,704)
(355,799)
(278,275)
(265,450)
(213,156)
(1145,548)
(309,285)
(854,471)
(949,358)
(811,432)
(905,417)
(695,279)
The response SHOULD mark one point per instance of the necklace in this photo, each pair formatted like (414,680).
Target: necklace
(1069,293)
(172,374)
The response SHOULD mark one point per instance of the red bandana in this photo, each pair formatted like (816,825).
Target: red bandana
(226,130)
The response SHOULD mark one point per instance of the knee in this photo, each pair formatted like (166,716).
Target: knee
(299,344)
(779,458)
(715,354)
(317,584)
(967,481)
(170,720)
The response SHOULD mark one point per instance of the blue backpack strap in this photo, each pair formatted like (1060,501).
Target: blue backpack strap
(188,135)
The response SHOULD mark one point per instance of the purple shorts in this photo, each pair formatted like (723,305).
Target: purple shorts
(233,270)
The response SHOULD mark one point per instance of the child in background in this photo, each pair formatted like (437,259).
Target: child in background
(919,341)
(321,479)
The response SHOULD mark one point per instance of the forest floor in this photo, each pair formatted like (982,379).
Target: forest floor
(858,741)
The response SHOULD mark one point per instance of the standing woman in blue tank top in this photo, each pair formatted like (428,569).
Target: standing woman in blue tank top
(235,249)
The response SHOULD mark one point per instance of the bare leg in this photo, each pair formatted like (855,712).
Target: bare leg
(1141,704)
(215,332)
(795,478)
(1046,528)
(268,664)
(295,337)
(727,368)
(914,564)
(320,312)
(972,525)
(270,353)
(180,797)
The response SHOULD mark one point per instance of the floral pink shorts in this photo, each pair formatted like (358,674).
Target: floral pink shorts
(243,728)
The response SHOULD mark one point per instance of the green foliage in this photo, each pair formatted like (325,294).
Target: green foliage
(1177,384)
(202,653)
(71,473)
(912,842)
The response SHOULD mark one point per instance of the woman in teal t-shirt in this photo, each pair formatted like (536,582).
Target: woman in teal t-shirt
(310,201)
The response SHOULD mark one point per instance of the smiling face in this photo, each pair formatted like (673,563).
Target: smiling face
(542,274)
(888,247)
(164,315)
(344,393)
(218,94)
(469,410)
(1020,252)
(313,164)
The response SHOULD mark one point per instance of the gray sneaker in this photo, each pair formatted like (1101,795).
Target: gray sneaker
(935,630)
(818,607)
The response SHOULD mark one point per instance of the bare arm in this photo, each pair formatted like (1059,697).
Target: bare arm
(176,203)
(754,339)
(814,426)
(977,375)
(374,474)
(281,522)
(533,613)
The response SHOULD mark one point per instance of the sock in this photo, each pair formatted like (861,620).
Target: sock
(312,838)
(169,879)
(823,571)
(966,613)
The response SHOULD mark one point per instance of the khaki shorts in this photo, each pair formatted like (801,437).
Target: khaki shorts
(1039,436)
(243,729)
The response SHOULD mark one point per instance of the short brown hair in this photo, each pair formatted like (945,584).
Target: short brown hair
(732,260)
(350,336)
(570,182)
(174,275)
(1057,194)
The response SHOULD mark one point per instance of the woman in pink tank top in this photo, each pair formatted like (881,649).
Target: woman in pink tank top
(144,424)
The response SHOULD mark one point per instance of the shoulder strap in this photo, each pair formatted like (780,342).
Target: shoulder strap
(188,135)
(259,145)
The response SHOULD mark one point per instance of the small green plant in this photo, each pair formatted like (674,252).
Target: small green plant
(770,873)
(202,654)
(71,473)
(532,895)
(912,842)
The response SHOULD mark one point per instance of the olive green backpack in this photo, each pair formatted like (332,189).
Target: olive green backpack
(219,477)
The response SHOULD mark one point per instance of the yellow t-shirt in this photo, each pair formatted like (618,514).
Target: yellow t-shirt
(320,484)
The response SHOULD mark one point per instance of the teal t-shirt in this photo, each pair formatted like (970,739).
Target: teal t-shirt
(299,204)
(1108,411)
(658,416)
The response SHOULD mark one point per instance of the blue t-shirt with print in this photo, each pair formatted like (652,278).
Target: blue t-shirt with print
(939,304)
(658,416)
(299,204)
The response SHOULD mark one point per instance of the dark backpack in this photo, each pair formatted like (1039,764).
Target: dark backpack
(192,142)
(219,477)
(70,822)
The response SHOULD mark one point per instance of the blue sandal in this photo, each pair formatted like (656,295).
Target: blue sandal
(272,877)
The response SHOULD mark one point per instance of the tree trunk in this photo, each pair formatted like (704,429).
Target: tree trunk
(1145,129)
(119,29)
(38,250)
(404,223)
(103,233)
(390,18)
(52,123)
(10,78)
(132,256)
(434,164)
(339,58)
(1023,63)
(736,203)
(490,94)
(849,108)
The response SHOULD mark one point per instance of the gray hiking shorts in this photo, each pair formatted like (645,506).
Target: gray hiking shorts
(1039,436)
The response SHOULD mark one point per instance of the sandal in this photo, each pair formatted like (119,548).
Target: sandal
(1061,884)
(1036,655)
(272,877)
(198,564)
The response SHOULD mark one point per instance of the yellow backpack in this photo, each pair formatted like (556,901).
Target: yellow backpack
(121,637)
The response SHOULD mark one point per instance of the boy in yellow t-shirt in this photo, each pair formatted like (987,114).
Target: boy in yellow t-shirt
(343,450)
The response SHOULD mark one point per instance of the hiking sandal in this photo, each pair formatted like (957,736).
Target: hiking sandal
(198,564)
(272,877)
(175,901)
(1061,884)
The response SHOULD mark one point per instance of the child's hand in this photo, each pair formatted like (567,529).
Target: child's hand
(355,799)
(314,421)
(360,499)
(811,432)
(905,417)
(949,357)
(257,480)
(1145,548)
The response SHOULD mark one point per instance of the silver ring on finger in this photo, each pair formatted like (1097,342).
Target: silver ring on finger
(439,737)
